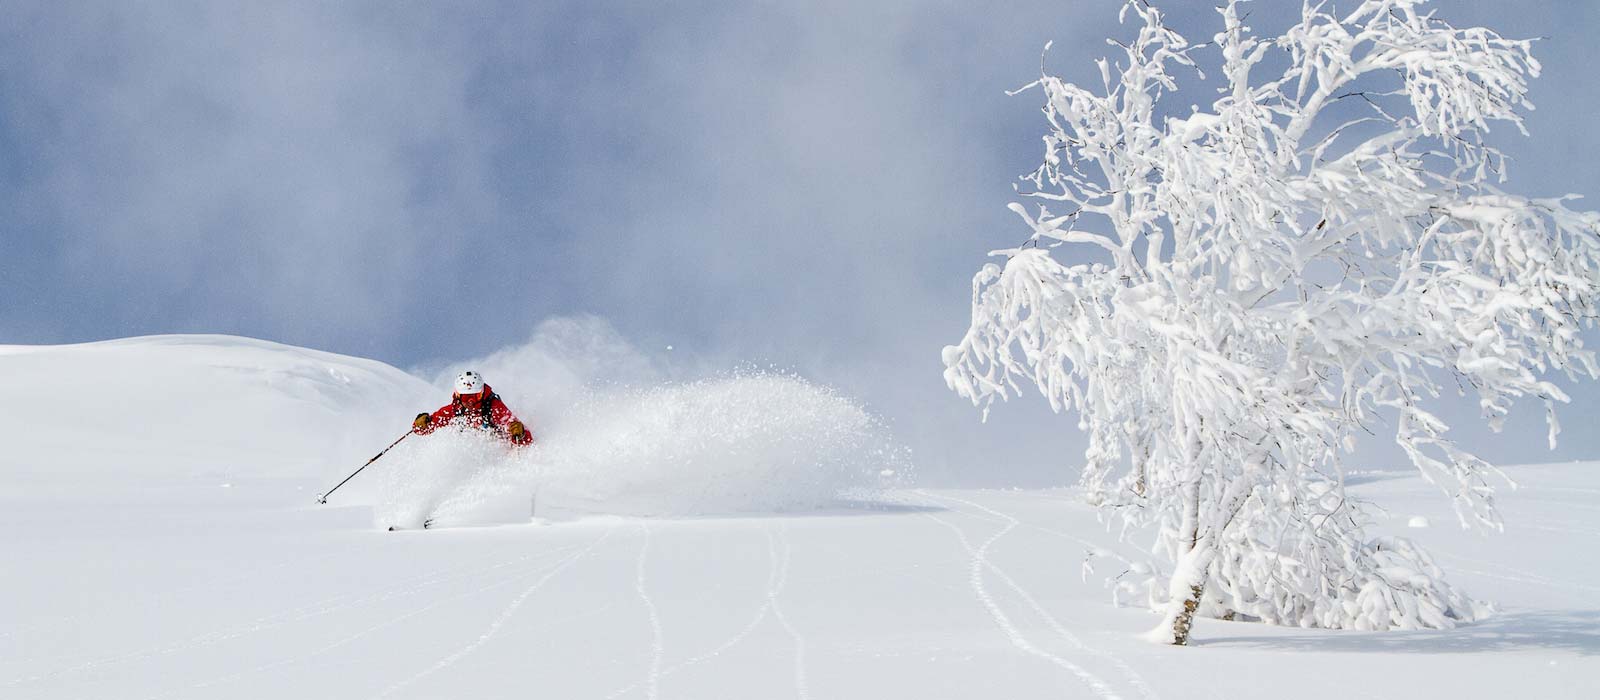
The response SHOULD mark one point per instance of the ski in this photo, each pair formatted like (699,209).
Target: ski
(425,525)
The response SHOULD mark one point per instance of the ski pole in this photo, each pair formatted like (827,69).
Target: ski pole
(324,497)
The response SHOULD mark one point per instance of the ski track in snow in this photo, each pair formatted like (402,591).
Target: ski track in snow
(324,606)
(657,648)
(500,621)
(522,574)
(774,590)
(979,562)
(733,641)
(1133,677)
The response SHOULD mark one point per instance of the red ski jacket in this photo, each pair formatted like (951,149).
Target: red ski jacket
(482,410)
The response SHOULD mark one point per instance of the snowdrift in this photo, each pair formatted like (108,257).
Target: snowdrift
(197,405)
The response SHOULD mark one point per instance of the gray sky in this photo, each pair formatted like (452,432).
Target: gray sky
(809,185)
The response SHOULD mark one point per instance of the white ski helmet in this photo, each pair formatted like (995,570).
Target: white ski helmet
(469,383)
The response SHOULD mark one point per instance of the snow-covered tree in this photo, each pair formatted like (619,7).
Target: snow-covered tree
(1305,262)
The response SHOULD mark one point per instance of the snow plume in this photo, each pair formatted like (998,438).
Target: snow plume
(564,360)
(616,437)
(745,443)
(431,470)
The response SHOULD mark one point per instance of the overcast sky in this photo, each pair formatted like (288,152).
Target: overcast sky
(808,185)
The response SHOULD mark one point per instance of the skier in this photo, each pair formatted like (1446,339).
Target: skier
(478,405)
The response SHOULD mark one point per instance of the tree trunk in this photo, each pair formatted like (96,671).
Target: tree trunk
(1193,568)
(1185,617)
(1140,458)
(1188,585)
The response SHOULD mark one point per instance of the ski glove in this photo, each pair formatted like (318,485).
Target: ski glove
(519,434)
(421,422)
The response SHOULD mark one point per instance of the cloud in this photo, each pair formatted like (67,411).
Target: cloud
(266,167)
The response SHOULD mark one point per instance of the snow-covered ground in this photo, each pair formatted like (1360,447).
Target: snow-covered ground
(195,405)
(161,541)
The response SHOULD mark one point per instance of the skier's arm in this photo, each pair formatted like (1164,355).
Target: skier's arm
(501,416)
(438,418)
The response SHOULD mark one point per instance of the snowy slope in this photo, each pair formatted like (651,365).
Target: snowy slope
(116,589)
(185,405)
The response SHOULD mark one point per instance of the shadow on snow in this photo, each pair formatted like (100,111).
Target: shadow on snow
(1571,630)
